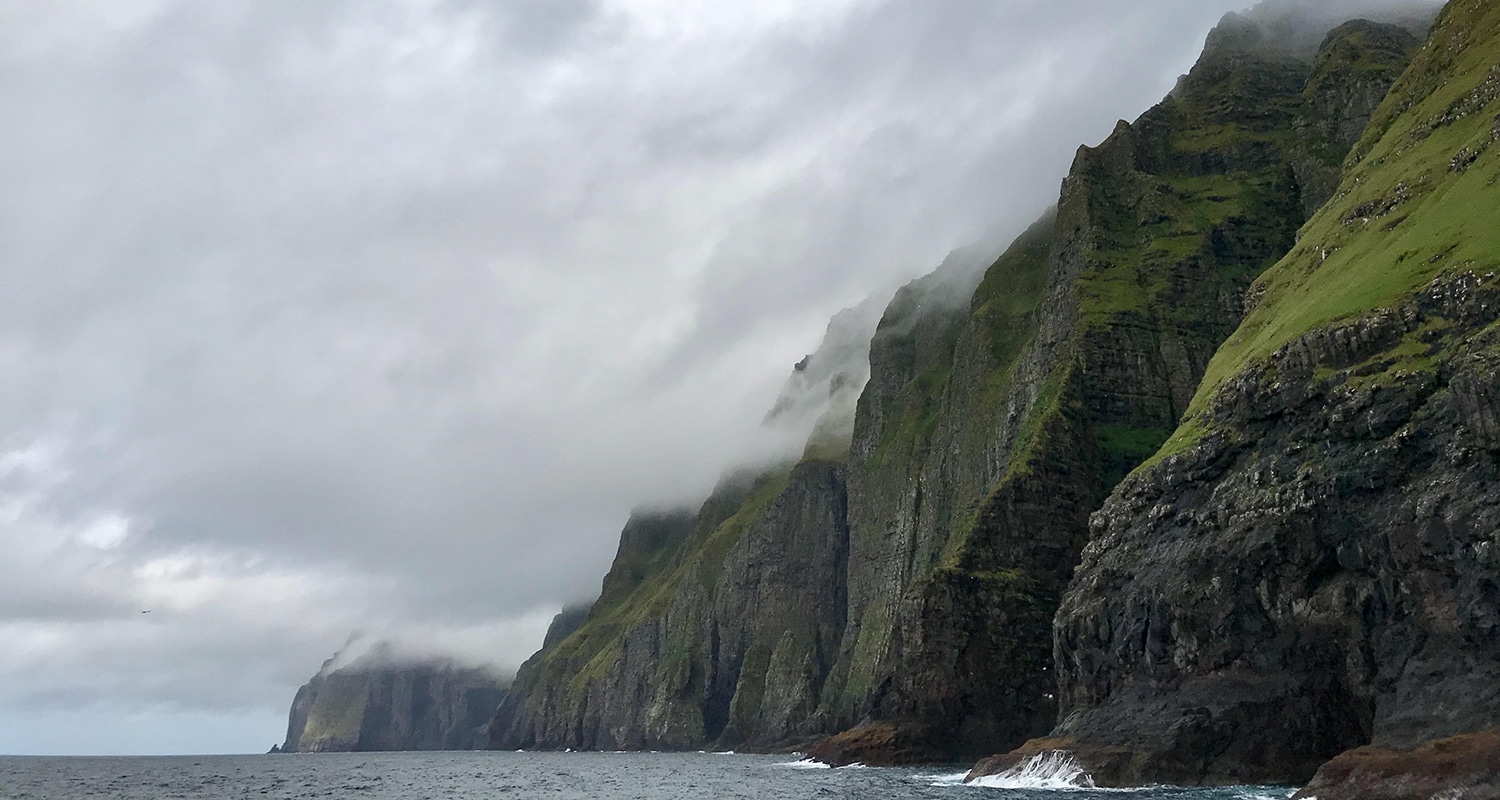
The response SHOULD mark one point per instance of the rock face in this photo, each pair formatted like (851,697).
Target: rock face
(1353,70)
(1309,565)
(899,587)
(727,641)
(1466,767)
(376,704)
(986,438)
(719,627)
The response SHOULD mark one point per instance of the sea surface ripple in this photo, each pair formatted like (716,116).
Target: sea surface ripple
(534,776)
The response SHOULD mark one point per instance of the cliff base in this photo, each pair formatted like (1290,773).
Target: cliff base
(1465,766)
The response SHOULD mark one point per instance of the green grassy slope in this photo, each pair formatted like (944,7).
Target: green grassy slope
(1419,200)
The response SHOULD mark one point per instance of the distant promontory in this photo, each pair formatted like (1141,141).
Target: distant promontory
(382,701)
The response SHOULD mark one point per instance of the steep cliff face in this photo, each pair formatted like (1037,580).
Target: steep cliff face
(1310,564)
(901,580)
(728,642)
(986,437)
(1353,71)
(375,704)
(721,628)
(921,459)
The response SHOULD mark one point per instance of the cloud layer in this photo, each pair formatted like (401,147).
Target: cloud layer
(382,315)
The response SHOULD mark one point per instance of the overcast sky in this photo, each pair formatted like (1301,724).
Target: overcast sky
(382,315)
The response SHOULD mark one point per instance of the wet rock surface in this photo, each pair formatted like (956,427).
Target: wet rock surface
(1465,767)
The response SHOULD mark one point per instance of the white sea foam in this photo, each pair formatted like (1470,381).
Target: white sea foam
(1053,769)
(805,763)
(945,778)
(1057,770)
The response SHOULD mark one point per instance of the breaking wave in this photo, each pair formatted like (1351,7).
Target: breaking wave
(1054,769)
(805,763)
(808,763)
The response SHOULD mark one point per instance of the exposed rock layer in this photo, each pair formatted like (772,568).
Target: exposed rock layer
(1465,767)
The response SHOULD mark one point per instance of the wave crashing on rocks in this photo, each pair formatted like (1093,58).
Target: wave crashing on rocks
(1053,769)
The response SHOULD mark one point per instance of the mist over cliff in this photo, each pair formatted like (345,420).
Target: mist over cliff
(383,316)
(893,600)
(307,299)
(383,697)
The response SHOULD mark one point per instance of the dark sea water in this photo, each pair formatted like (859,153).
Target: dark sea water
(563,776)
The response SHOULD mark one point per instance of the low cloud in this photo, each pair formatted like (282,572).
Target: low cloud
(382,315)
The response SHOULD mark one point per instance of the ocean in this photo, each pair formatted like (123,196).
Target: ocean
(543,776)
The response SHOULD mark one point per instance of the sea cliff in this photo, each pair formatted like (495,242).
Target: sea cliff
(895,587)
(379,702)
(1309,565)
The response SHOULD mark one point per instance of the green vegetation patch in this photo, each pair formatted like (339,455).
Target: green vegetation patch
(750,691)
(1417,202)
(1419,352)
(1227,137)
(1004,305)
(1403,215)
(338,711)
(1049,402)
(870,648)
(1029,443)
(1225,228)
(1126,443)
(833,450)
(917,408)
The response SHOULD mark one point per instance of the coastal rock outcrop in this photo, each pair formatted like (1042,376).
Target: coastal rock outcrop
(725,641)
(1465,766)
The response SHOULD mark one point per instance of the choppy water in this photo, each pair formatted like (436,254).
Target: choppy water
(499,776)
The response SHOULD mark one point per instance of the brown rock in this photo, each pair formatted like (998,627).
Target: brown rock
(875,744)
(1465,767)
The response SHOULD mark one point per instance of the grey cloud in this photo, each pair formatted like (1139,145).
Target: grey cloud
(383,315)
